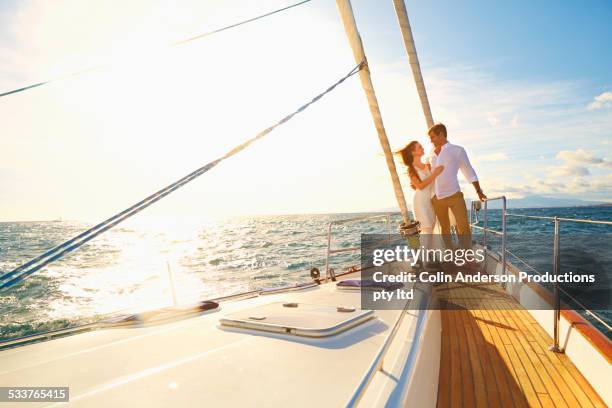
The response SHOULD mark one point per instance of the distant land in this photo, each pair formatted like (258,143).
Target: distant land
(534,201)
(538,201)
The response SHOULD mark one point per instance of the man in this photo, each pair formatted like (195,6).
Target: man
(447,194)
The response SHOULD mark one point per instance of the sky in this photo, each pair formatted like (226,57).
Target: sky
(525,87)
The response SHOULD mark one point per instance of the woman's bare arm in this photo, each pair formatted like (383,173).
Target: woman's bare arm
(421,184)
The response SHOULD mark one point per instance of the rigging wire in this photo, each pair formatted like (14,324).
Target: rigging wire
(28,268)
(174,44)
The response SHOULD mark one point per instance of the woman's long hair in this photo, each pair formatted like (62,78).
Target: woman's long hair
(408,160)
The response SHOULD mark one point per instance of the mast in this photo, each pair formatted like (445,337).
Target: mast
(350,27)
(413,59)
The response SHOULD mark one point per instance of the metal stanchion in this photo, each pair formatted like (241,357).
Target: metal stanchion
(171,284)
(557,296)
(503,243)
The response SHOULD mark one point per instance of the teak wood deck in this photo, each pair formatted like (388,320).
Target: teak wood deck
(494,354)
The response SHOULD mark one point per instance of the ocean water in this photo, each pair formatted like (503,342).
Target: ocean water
(584,249)
(129,267)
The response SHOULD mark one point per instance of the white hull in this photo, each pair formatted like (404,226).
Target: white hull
(196,362)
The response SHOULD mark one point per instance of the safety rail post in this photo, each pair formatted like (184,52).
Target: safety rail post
(388,229)
(329,231)
(484,237)
(471,213)
(556,295)
(171,284)
(503,243)
(484,229)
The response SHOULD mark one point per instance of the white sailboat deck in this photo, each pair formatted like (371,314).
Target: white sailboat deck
(196,362)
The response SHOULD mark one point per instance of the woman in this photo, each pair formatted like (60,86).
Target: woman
(421,180)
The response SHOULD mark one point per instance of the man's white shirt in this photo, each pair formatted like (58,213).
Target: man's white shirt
(453,158)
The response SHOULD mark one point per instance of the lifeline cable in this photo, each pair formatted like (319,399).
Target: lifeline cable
(22,272)
(174,44)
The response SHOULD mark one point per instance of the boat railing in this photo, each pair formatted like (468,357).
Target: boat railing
(48,335)
(589,312)
(476,206)
(329,272)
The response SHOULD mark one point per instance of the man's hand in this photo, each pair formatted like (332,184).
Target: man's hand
(481,195)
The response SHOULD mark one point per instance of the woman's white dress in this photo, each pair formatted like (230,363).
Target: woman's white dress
(421,203)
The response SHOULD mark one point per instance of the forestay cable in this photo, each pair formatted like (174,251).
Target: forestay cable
(18,274)
(174,44)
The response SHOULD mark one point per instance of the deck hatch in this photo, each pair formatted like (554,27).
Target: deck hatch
(303,319)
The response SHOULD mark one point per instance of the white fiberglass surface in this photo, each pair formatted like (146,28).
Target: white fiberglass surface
(198,361)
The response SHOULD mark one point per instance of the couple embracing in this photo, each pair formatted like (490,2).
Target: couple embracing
(436,185)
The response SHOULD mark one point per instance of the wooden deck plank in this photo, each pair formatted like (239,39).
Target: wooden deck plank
(567,375)
(521,374)
(499,391)
(467,384)
(523,377)
(444,382)
(488,372)
(483,350)
(478,379)
(494,369)
(531,349)
(543,354)
(579,379)
(526,362)
(562,376)
(546,401)
(455,374)
(512,380)
(566,372)
(500,354)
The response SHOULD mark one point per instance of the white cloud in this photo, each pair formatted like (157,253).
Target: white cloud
(572,177)
(583,157)
(575,174)
(601,101)
(568,171)
(579,156)
(593,187)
